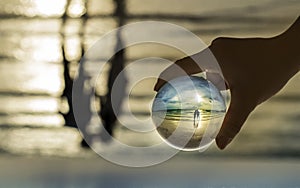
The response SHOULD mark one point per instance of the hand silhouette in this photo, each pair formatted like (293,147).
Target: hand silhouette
(254,70)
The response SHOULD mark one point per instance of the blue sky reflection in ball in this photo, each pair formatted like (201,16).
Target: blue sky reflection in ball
(188,112)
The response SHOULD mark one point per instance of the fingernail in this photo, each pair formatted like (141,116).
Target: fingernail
(223,141)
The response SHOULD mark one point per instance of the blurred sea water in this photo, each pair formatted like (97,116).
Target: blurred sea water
(32,33)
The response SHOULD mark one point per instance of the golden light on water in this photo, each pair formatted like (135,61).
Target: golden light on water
(30,104)
(47,50)
(45,80)
(49,7)
(41,76)
(76,8)
(73,48)
(40,105)
(40,49)
(34,141)
(33,120)
(55,8)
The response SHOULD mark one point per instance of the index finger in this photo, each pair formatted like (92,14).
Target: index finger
(182,67)
(202,61)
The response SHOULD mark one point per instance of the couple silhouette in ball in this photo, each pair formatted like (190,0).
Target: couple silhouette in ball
(196,118)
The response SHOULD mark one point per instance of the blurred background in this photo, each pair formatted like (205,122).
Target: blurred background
(42,42)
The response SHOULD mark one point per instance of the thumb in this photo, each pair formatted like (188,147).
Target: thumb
(238,112)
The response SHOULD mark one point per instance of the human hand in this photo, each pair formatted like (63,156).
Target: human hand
(254,70)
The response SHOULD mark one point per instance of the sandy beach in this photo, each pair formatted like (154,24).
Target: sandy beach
(181,171)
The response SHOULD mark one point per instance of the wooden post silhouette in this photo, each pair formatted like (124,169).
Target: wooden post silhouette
(108,113)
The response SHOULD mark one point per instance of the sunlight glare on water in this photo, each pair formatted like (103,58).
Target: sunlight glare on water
(34,141)
(40,48)
(32,120)
(76,8)
(44,80)
(34,79)
(72,47)
(48,7)
(30,104)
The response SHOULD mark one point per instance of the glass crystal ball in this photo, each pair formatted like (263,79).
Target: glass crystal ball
(188,112)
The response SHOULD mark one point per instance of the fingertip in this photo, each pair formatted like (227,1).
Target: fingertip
(222,142)
(159,84)
(155,88)
(233,121)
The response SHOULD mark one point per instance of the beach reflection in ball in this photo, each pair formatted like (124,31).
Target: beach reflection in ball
(188,112)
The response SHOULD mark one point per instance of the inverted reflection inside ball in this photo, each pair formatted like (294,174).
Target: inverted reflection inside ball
(188,112)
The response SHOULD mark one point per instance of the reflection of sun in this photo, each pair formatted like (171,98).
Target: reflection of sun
(175,98)
(199,98)
(46,49)
(50,7)
(45,79)
(76,8)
